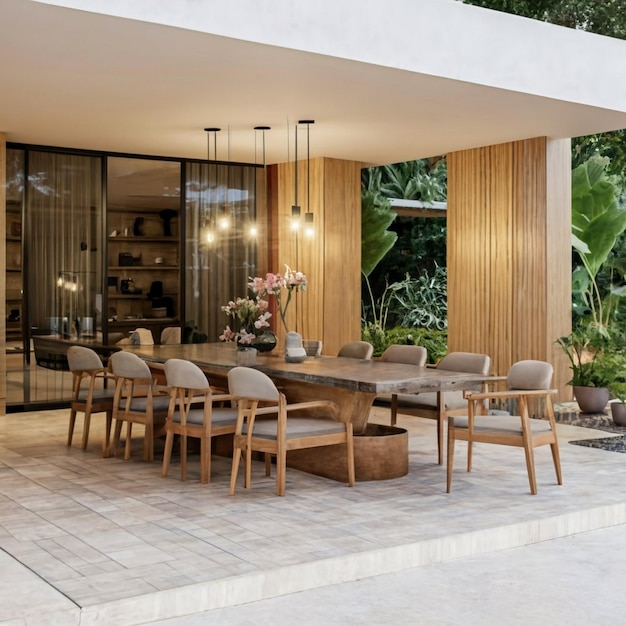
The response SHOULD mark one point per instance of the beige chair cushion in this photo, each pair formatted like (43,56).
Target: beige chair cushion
(219,417)
(453,399)
(501,423)
(297,427)
(159,403)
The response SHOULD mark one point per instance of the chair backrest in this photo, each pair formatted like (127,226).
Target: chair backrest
(248,383)
(184,374)
(128,365)
(466,362)
(80,359)
(142,337)
(411,355)
(171,334)
(356,350)
(530,374)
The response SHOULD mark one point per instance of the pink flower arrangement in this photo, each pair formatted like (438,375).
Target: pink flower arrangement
(275,284)
(251,315)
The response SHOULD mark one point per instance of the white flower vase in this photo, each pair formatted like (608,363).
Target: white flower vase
(294,352)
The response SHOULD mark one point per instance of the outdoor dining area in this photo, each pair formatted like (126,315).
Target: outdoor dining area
(104,540)
(312,414)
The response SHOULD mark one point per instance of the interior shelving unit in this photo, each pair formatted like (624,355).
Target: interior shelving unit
(14,284)
(143,257)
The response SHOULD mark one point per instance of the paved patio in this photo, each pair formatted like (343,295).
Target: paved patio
(102,541)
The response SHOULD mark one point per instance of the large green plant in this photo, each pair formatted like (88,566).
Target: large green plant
(597,221)
(422,301)
(376,240)
(595,360)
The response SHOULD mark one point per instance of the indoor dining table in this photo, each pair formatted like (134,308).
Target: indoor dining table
(380,452)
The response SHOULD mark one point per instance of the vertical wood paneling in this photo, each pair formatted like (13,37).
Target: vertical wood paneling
(330,309)
(3,267)
(508,249)
(342,253)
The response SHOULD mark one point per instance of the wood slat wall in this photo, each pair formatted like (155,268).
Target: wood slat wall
(330,309)
(509,252)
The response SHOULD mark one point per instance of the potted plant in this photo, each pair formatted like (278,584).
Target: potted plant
(618,408)
(593,371)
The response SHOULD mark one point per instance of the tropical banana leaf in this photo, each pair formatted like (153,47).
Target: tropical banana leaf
(376,240)
(597,218)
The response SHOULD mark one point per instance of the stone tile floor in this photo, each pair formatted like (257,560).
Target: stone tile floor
(102,541)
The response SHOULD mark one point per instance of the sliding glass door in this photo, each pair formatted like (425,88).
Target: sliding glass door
(62,243)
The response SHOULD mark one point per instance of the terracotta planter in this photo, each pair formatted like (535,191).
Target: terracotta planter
(618,411)
(591,399)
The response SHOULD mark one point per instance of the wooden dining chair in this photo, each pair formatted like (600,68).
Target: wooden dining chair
(93,397)
(439,405)
(273,433)
(356,350)
(192,413)
(137,400)
(526,381)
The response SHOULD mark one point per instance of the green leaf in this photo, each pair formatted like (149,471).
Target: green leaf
(376,240)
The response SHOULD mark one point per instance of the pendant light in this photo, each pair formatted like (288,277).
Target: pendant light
(295,208)
(253,231)
(209,234)
(225,216)
(309,230)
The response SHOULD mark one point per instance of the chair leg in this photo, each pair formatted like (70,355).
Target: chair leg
(116,436)
(350,453)
(248,468)
(554,447)
(70,431)
(205,460)
(86,426)
(450,465)
(281,472)
(234,470)
(167,452)
(183,456)
(470,450)
(148,443)
(394,409)
(129,433)
(440,420)
(530,466)
(106,444)
(268,464)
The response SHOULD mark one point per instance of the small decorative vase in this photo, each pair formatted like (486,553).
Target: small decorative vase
(591,399)
(618,411)
(246,356)
(313,347)
(294,352)
(265,342)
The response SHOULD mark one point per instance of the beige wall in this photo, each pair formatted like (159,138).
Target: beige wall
(509,252)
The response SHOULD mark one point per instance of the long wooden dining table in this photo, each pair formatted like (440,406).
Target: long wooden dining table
(380,452)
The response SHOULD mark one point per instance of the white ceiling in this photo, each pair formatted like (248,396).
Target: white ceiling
(76,79)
